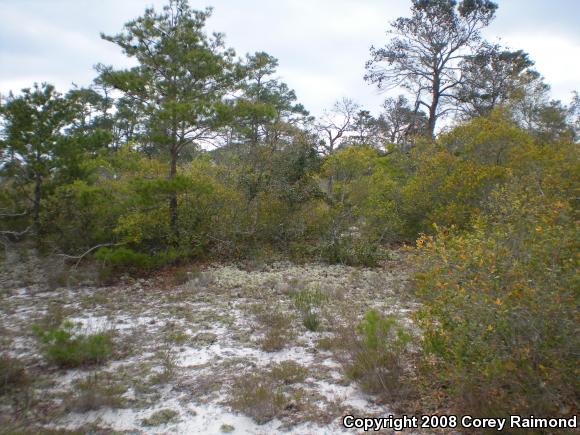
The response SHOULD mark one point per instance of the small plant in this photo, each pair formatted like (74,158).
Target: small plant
(325,343)
(175,334)
(12,374)
(168,363)
(227,428)
(309,303)
(180,276)
(288,372)
(258,397)
(352,251)
(68,347)
(53,318)
(96,391)
(277,324)
(380,351)
(163,416)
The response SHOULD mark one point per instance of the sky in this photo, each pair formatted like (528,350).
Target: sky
(321,45)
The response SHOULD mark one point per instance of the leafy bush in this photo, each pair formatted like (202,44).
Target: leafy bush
(447,190)
(380,354)
(67,347)
(123,258)
(500,311)
(350,249)
(288,372)
(126,260)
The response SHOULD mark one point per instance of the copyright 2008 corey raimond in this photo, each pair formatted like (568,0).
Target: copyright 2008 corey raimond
(374,424)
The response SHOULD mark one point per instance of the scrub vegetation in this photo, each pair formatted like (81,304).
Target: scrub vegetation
(185,245)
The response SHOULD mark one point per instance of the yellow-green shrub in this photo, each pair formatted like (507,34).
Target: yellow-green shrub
(500,309)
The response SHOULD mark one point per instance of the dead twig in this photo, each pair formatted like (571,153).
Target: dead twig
(80,257)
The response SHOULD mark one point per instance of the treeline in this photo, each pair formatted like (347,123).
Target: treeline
(195,153)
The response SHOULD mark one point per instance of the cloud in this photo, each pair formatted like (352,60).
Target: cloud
(321,45)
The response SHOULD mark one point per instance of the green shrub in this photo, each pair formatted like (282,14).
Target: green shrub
(67,347)
(288,372)
(500,312)
(277,325)
(350,250)
(309,302)
(380,355)
(124,258)
(163,416)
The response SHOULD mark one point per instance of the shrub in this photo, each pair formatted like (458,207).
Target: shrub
(67,347)
(309,303)
(288,372)
(258,397)
(227,428)
(94,392)
(350,249)
(124,258)
(500,311)
(446,190)
(168,361)
(163,416)
(277,325)
(380,355)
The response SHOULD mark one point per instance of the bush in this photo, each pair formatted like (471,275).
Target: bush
(124,258)
(96,391)
(309,303)
(258,398)
(277,327)
(351,250)
(380,355)
(67,347)
(447,190)
(163,416)
(500,311)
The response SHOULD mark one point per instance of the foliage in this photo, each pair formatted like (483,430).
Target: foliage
(163,416)
(309,302)
(125,173)
(67,346)
(124,258)
(501,309)
(96,391)
(259,397)
(426,49)
(379,354)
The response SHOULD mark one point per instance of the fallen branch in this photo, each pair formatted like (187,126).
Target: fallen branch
(80,257)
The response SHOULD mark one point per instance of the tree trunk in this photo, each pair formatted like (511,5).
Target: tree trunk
(436,91)
(173,199)
(37,199)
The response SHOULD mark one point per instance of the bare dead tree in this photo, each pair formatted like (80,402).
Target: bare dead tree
(334,124)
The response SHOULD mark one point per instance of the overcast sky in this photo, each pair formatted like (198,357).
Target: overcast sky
(321,45)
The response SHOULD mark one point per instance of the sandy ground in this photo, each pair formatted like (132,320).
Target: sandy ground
(200,348)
